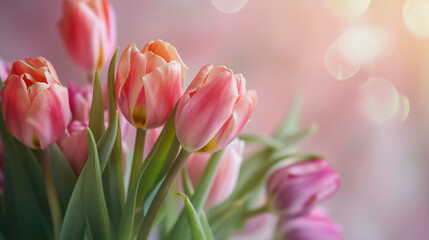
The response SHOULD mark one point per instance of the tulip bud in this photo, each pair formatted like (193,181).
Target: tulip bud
(88,31)
(147,87)
(295,189)
(213,110)
(226,176)
(74,145)
(315,225)
(35,104)
(4,70)
(80,102)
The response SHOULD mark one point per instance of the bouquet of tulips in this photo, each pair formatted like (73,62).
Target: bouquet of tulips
(70,171)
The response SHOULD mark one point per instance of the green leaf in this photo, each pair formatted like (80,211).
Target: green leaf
(206,226)
(95,204)
(64,177)
(292,121)
(267,142)
(187,184)
(111,88)
(193,219)
(106,142)
(96,116)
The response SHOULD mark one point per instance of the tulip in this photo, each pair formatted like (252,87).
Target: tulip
(74,145)
(80,102)
(147,87)
(315,225)
(35,104)
(151,137)
(1,165)
(295,189)
(89,32)
(4,70)
(226,176)
(213,110)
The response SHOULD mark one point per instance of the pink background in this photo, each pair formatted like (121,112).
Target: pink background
(279,46)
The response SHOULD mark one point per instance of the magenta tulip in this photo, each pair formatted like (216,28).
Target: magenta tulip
(315,225)
(226,176)
(295,189)
(80,102)
(213,110)
(147,87)
(35,104)
(74,145)
(88,31)
(4,70)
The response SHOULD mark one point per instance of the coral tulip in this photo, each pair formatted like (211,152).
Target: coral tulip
(295,189)
(147,87)
(213,110)
(35,104)
(89,32)
(226,176)
(315,225)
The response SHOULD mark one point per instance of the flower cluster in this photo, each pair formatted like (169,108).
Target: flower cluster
(71,171)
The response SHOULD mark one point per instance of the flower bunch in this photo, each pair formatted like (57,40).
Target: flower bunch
(70,171)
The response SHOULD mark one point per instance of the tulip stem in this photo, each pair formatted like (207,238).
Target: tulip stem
(138,153)
(162,193)
(255,212)
(51,193)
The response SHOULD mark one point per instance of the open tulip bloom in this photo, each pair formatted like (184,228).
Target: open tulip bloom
(70,168)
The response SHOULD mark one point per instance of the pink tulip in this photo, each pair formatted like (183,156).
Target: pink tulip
(151,137)
(213,110)
(226,176)
(74,145)
(315,225)
(80,102)
(89,32)
(295,189)
(147,87)
(4,70)
(35,104)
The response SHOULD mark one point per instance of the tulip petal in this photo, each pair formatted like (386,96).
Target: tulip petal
(49,110)
(41,62)
(164,89)
(16,103)
(211,107)
(79,29)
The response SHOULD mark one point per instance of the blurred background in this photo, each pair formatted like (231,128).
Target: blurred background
(360,66)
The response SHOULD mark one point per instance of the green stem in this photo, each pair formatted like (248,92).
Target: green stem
(162,193)
(138,153)
(180,231)
(255,212)
(51,192)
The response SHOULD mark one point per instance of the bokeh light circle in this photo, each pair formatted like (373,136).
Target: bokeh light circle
(229,6)
(416,17)
(382,104)
(348,8)
(337,65)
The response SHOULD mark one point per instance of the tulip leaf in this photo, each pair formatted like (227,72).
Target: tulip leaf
(111,88)
(96,116)
(292,121)
(26,205)
(267,142)
(193,219)
(94,201)
(158,154)
(106,142)
(187,184)
(206,226)
(64,177)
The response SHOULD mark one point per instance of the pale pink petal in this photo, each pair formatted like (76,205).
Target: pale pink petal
(49,110)
(74,145)
(206,112)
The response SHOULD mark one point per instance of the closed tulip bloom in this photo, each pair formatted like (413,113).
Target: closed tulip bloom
(315,225)
(35,104)
(4,70)
(295,189)
(88,31)
(213,110)
(80,102)
(226,176)
(74,145)
(147,87)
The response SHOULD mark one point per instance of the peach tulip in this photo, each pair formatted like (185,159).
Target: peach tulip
(226,176)
(35,104)
(89,32)
(295,190)
(147,87)
(213,110)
